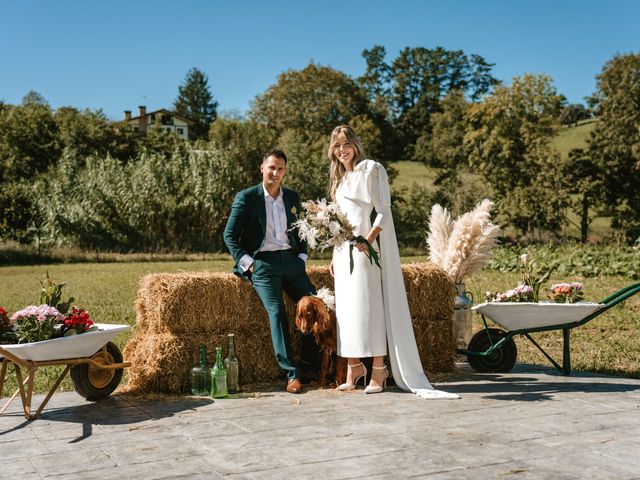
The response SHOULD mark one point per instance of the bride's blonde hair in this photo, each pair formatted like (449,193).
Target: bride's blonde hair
(337,170)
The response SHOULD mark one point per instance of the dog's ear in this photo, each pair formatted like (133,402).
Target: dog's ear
(301,308)
(322,315)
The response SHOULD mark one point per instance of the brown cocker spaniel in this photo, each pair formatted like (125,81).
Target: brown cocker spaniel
(313,317)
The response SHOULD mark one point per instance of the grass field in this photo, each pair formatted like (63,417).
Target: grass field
(413,172)
(608,344)
(569,138)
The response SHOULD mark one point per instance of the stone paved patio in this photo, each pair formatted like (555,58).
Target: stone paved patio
(531,423)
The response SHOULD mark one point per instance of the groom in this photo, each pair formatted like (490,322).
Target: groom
(270,255)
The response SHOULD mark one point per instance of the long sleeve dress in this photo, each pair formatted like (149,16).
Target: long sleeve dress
(371,303)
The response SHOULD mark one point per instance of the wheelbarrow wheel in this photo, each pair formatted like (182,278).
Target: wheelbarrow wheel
(95,383)
(500,360)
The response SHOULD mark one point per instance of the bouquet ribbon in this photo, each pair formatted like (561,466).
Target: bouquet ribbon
(371,254)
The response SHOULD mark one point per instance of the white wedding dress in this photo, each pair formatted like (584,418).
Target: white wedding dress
(371,303)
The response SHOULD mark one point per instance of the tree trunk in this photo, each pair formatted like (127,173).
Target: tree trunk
(584,219)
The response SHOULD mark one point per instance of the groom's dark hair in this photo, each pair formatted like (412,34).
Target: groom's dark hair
(276,153)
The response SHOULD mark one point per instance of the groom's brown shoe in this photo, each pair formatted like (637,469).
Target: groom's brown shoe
(294,385)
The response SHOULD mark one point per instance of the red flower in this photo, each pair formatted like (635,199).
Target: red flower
(4,319)
(78,320)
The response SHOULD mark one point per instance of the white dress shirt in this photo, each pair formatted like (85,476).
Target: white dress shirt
(276,237)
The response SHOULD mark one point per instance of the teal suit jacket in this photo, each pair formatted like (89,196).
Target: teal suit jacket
(247,224)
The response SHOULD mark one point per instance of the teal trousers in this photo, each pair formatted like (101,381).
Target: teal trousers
(273,274)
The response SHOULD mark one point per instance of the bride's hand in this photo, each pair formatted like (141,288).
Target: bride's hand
(331,268)
(363,247)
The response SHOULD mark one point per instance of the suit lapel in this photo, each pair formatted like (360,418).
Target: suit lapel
(291,217)
(262,212)
(288,205)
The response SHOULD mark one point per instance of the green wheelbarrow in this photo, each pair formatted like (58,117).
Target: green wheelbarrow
(494,350)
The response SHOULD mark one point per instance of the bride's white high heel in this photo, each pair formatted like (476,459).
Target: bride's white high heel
(378,388)
(352,386)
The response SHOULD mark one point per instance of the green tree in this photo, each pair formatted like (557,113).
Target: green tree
(508,141)
(377,79)
(615,141)
(312,101)
(307,164)
(409,90)
(34,98)
(585,178)
(28,139)
(443,148)
(245,142)
(90,133)
(196,103)
(573,113)
(458,188)
(411,207)
(18,213)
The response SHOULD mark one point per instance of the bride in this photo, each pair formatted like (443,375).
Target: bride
(371,303)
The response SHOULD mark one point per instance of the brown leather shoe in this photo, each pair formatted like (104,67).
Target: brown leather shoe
(294,385)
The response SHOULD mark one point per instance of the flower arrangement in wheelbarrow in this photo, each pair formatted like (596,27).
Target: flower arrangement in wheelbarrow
(533,277)
(48,320)
(567,292)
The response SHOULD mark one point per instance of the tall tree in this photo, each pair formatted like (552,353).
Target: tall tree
(377,79)
(410,89)
(196,102)
(28,140)
(615,142)
(508,141)
(89,132)
(458,187)
(585,178)
(34,98)
(573,113)
(313,100)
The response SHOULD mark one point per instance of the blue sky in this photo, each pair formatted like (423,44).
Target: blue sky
(116,54)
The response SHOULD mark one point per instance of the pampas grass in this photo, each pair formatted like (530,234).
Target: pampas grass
(463,246)
(440,226)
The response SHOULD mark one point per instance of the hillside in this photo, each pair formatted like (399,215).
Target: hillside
(569,138)
(566,139)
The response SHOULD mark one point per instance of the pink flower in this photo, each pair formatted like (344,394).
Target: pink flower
(41,313)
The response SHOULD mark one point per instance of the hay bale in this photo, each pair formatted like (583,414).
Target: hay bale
(177,312)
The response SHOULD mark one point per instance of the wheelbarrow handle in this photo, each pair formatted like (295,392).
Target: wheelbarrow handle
(621,295)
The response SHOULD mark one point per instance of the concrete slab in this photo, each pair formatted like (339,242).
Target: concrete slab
(532,423)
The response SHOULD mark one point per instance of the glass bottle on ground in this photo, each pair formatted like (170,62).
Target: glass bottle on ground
(218,377)
(233,366)
(200,374)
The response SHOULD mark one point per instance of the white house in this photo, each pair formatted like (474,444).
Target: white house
(163,119)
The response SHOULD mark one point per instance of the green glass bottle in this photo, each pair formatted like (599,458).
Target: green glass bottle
(233,366)
(201,375)
(218,377)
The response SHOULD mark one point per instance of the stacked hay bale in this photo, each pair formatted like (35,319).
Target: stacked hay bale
(177,312)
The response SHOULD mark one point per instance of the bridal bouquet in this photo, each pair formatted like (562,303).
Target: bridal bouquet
(322,224)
